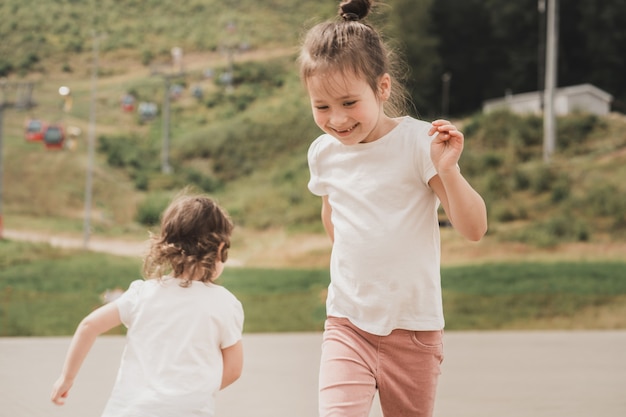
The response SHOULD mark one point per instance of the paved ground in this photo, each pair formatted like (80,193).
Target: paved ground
(500,374)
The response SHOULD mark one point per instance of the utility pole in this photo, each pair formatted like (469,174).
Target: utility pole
(166,168)
(1,176)
(24,92)
(549,120)
(231,29)
(541,51)
(165,148)
(91,139)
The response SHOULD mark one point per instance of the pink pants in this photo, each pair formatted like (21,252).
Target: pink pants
(404,366)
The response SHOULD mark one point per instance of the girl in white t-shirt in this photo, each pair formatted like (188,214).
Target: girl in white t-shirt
(381,179)
(184,331)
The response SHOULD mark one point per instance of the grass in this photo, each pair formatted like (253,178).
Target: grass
(522,295)
(145,31)
(279,300)
(45,291)
(248,149)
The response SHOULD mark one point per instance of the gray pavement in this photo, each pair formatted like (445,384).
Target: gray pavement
(511,374)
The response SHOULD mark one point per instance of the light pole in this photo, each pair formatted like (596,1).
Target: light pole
(230,45)
(541,51)
(166,168)
(1,179)
(165,148)
(549,120)
(91,138)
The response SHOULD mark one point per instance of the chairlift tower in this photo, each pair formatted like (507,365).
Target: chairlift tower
(91,138)
(166,168)
(23,100)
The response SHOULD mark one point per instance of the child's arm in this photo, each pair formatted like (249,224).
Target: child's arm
(233,364)
(464,206)
(99,321)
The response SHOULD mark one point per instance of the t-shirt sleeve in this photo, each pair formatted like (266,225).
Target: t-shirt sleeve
(425,167)
(233,324)
(315,184)
(127,302)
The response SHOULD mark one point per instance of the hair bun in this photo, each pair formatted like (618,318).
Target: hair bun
(354,10)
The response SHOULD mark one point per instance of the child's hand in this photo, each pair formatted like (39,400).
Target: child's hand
(446,147)
(60,390)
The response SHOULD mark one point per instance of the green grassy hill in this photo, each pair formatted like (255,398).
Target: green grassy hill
(47,35)
(247,146)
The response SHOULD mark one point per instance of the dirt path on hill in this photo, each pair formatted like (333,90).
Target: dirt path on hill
(281,249)
(118,247)
(271,249)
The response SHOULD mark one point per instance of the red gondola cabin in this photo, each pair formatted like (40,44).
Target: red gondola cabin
(128,103)
(34,130)
(54,136)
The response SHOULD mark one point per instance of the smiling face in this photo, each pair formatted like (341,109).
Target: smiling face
(345,107)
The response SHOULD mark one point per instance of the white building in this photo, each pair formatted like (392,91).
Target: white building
(584,98)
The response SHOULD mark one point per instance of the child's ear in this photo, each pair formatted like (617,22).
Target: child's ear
(220,252)
(384,87)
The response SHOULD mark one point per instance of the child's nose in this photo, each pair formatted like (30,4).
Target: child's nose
(338,117)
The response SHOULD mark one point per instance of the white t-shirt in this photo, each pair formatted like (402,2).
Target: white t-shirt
(172,363)
(385,261)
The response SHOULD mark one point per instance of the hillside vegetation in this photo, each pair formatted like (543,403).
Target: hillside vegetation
(246,143)
(553,257)
(46,36)
(501,50)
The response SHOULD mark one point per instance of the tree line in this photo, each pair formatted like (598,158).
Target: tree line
(484,48)
(459,52)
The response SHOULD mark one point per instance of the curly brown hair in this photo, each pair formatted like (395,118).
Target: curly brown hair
(193,229)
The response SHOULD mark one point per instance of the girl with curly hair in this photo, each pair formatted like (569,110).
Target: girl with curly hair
(183,342)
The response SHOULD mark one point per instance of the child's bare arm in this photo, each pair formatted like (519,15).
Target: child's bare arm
(463,205)
(99,321)
(233,363)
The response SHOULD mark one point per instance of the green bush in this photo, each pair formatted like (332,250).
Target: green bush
(521,180)
(560,228)
(146,57)
(496,185)
(269,74)
(5,67)
(134,154)
(574,130)
(605,200)
(506,212)
(491,160)
(561,189)
(499,129)
(150,209)
(204,182)
(541,179)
